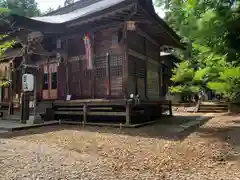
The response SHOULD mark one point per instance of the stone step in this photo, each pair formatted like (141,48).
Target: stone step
(211,110)
(214,105)
(217,108)
(12,117)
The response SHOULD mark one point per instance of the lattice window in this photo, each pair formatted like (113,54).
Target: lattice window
(116,71)
(116,64)
(101,73)
(100,62)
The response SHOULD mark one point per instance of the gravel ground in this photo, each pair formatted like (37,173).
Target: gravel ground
(69,153)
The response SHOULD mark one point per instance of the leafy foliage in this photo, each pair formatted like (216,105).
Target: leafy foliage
(212,27)
(68,2)
(6,45)
(184,80)
(21,7)
(185,89)
(183,73)
(228,83)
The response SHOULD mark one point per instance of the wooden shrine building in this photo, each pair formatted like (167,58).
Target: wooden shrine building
(97,57)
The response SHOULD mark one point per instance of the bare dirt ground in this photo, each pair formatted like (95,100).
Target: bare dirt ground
(152,152)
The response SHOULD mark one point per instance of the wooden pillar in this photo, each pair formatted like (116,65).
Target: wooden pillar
(108,75)
(146,65)
(128,114)
(93,82)
(93,42)
(170,108)
(25,96)
(126,62)
(49,78)
(147,111)
(10,78)
(67,69)
(84,113)
(1,94)
(160,80)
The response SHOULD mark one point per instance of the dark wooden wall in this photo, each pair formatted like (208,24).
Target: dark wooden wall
(144,67)
(109,41)
(93,83)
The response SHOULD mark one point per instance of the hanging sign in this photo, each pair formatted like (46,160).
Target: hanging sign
(88,50)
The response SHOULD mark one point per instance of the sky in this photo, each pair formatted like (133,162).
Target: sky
(46,4)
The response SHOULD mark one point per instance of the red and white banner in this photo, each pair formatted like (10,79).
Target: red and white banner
(88,50)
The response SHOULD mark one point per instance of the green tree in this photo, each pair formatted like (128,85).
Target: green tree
(213,29)
(4,46)
(228,83)
(49,10)
(68,2)
(21,7)
(183,79)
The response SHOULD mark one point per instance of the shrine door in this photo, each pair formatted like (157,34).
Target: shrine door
(50,82)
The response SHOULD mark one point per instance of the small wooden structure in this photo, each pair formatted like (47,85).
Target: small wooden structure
(100,57)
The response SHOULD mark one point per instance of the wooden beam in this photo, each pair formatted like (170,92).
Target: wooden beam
(68,112)
(70,108)
(136,54)
(142,57)
(145,35)
(91,102)
(106,113)
(92,30)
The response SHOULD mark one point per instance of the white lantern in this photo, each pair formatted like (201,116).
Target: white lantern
(27,82)
(131,25)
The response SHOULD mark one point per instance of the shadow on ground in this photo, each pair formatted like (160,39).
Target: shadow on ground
(228,134)
(165,128)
